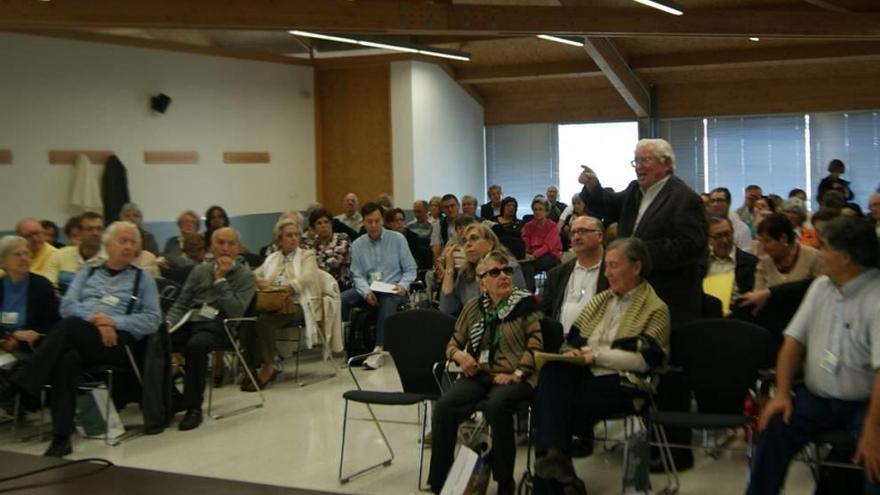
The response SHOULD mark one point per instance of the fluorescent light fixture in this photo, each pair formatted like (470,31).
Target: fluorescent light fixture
(567,41)
(430,53)
(323,37)
(387,47)
(754,38)
(664,5)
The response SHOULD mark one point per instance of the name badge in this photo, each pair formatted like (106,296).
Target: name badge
(830,363)
(209,312)
(484,357)
(376,276)
(110,300)
(9,318)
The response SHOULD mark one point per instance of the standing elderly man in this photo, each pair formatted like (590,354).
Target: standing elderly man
(350,215)
(220,287)
(667,215)
(32,230)
(106,308)
(835,338)
(556,206)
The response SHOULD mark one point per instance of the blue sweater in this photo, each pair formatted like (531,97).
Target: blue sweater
(98,290)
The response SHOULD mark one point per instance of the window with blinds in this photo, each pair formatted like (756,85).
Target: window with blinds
(523,160)
(686,138)
(854,138)
(768,151)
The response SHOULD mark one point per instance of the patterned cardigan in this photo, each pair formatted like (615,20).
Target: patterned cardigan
(644,328)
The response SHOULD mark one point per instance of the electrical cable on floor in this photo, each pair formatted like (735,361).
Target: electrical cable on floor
(97,460)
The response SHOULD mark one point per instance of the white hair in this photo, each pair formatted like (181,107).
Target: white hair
(279,227)
(661,147)
(10,242)
(114,228)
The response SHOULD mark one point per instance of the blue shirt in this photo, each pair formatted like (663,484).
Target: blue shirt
(111,294)
(14,302)
(387,256)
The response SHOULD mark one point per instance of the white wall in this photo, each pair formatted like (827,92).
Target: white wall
(60,94)
(440,147)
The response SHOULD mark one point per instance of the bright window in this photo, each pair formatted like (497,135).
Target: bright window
(606,148)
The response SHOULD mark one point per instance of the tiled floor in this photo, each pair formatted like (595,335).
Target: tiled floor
(294,441)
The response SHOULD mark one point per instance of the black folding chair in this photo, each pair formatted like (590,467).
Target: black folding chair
(720,359)
(416,339)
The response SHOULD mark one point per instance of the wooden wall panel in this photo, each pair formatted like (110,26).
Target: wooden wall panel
(171,157)
(68,157)
(353,132)
(5,157)
(240,157)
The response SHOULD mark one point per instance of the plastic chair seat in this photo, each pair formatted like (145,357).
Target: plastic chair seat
(385,398)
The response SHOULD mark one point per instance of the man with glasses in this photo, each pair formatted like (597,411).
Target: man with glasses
(64,264)
(667,215)
(752,194)
(719,205)
(724,257)
(32,230)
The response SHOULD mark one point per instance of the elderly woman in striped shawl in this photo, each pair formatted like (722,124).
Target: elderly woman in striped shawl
(495,338)
(621,333)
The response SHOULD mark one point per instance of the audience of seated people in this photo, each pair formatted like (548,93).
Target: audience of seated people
(615,310)
(222,286)
(495,338)
(295,271)
(107,307)
(379,256)
(460,284)
(63,266)
(621,333)
(28,306)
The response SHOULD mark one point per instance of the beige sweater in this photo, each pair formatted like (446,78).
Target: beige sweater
(807,265)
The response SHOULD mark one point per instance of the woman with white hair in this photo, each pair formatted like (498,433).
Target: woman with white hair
(28,306)
(295,271)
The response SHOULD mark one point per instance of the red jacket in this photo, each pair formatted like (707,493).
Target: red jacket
(542,239)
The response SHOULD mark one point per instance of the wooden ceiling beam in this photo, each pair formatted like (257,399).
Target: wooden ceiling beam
(527,72)
(390,17)
(625,81)
(823,4)
(710,60)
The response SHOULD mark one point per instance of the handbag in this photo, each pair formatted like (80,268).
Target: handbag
(276,301)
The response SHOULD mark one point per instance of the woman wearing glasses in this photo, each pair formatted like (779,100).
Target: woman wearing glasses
(494,342)
(462,286)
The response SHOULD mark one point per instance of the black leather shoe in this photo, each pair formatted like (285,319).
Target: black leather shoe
(556,466)
(506,487)
(153,429)
(191,420)
(59,447)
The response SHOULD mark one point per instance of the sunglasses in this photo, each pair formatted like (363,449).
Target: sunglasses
(495,272)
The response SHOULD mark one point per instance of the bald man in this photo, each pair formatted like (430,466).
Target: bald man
(351,215)
(32,230)
(221,286)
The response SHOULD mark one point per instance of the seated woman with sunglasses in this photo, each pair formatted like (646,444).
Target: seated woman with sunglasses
(494,342)
(460,286)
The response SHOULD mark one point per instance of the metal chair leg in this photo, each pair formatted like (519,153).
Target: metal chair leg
(387,462)
(250,376)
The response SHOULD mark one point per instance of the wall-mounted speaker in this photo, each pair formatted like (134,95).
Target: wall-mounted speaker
(160,102)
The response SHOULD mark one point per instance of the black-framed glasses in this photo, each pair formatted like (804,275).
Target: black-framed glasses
(495,272)
(584,231)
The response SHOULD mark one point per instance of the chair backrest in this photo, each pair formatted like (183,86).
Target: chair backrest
(416,339)
(551,331)
(168,292)
(721,358)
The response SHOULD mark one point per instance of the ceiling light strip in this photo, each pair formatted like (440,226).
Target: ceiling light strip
(557,39)
(384,46)
(664,5)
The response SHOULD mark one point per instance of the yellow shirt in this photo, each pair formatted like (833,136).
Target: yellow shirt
(68,259)
(40,259)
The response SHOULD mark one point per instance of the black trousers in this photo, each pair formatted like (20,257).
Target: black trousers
(542,263)
(456,405)
(195,340)
(72,346)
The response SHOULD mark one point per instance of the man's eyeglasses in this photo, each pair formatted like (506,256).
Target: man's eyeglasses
(641,161)
(722,235)
(717,200)
(495,272)
(583,231)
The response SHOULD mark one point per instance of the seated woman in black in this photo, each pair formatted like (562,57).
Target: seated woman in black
(28,306)
(508,227)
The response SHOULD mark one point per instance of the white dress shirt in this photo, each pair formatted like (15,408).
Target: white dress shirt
(580,289)
(648,197)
